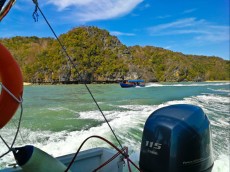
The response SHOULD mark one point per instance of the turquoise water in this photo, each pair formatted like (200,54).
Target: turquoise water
(57,118)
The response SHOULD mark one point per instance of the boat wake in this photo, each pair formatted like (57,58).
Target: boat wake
(127,122)
(186,84)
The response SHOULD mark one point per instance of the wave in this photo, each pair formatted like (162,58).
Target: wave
(222,164)
(221,91)
(187,84)
(59,109)
(131,119)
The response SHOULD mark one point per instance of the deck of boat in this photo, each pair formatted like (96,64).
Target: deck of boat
(87,161)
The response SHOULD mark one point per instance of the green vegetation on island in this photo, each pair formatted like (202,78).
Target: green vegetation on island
(100,57)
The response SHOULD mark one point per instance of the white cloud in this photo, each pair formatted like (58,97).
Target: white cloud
(90,10)
(117,33)
(189,10)
(199,29)
(67,3)
(163,17)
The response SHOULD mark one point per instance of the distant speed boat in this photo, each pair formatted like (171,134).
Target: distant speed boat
(132,83)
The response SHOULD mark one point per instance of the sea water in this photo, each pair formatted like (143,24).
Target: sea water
(58,118)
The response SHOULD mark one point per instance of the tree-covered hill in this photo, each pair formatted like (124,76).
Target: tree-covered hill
(100,57)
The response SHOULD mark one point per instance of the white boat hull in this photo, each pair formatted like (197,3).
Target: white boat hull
(87,161)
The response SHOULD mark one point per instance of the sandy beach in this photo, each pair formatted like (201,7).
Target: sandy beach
(27,83)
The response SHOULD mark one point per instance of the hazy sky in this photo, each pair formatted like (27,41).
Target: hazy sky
(199,27)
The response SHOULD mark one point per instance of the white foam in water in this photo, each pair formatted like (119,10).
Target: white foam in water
(186,85)
(222,164)
(220,90)
(153,85)
(57,109)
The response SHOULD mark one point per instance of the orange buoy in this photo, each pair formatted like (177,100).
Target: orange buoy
(12,86)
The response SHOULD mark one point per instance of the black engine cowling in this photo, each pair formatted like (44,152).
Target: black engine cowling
(177,138)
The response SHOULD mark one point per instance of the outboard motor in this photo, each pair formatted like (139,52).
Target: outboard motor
(177,138)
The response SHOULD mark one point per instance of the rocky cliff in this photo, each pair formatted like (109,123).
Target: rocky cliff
(99,57)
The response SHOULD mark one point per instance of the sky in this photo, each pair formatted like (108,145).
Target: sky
(197,27)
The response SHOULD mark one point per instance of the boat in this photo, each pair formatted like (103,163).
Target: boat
(175,138)
(86,161)
(132,83)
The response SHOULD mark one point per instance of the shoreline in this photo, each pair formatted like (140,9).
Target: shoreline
(45,83)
